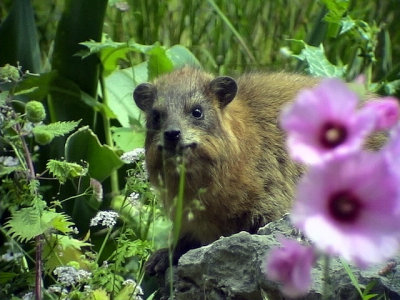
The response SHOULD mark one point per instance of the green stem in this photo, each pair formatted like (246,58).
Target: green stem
(108,137)
(234,31)
(104,244)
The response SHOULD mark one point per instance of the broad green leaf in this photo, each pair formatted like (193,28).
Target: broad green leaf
(181,56)
(63,170)
(318,64)
(158,63)
(119,89)
(31,83)
(79,22)
(127,139)
(62,249)
(84,145)
(18,38)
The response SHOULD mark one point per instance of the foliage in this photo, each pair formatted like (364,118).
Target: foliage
(84,60)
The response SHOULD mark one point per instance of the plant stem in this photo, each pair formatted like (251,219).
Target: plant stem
(38,239)
(326,283)
(104,244)
(108,137)
(234,31)
(38,267)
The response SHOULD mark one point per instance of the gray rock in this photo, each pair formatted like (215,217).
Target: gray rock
(232,268)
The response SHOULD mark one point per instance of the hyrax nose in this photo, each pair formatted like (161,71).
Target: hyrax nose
(172,135)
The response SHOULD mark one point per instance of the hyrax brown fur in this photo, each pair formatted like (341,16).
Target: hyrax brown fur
(226,132)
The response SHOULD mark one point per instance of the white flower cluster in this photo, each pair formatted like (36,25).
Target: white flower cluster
(133,156)
(9,161)
(69,276)
(133,199)
(104,218)
(138,290)
(10,256)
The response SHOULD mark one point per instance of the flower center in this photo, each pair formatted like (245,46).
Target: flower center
(344,206)
(333,134)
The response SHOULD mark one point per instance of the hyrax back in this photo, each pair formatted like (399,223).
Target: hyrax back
(238,174)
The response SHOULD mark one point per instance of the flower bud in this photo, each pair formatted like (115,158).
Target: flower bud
(43,137)
(35,111)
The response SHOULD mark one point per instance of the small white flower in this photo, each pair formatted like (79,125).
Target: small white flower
(69,276)
(28,296)
(133,198)
(87,288)
(10,256)
(9,161)
(75,230)
(55,289)
(104,218)
(133,156)
(129,282)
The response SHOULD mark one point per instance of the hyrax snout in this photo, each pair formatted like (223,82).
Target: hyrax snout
(225,131)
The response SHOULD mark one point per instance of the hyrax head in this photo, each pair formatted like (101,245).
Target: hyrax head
(183,109)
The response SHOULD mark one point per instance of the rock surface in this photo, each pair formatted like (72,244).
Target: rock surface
(232,268)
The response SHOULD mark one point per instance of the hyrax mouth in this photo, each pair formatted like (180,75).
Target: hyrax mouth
(176,149)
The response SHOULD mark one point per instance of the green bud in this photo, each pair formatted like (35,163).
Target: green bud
(35,111)
(43,137)
(9,73)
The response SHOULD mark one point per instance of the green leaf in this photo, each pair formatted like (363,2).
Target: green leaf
(181,56)
(7,277)
(84,145)
(158,63)
(18,38)
(119,89)
(57,128)
(30,222)
(127,139)
(318,64)
(63,170)
(336,9)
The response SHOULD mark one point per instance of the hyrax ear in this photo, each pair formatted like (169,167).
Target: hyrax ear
(224,88)
(144,95)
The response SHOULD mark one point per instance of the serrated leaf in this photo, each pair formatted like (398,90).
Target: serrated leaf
(84,145)
(336,9)
(57,128)
(318,64)
(30,222)
(63,170)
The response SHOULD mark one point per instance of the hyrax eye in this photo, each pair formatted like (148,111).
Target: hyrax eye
(197,112)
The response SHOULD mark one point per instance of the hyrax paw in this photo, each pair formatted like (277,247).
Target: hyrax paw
(158,262)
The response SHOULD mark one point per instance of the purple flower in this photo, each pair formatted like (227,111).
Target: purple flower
(350,206)
(386,110)
(291,266)
(324,122)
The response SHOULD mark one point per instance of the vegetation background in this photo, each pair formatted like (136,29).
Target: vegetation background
(125,43)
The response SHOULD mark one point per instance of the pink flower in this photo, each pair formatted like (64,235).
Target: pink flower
(324,122)
(291,266)
(350,206)
(387,111)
